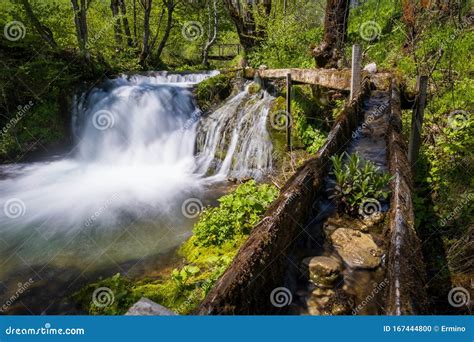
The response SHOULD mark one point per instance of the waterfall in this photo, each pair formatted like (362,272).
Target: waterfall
(234,141)
(135,154)
(142,150)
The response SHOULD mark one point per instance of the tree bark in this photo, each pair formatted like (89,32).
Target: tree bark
(80,20)
(146,4)
(170,5)
(243,19)
(114,6)
(43,30)
(211,39)
(135,35)
(330,50)
(126,25)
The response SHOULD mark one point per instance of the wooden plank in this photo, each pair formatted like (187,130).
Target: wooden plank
(356,75)
(329,78)
(288,112)
(417,121)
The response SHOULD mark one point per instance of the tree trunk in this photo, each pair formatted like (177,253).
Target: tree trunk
(244,22)
(126,26)
(146,4)
(117,25)
(170,5)
(135,34)
(330,50)
(211,39)
(43,30)
(80,20)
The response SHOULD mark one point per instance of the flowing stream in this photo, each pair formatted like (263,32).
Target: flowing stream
(144,163)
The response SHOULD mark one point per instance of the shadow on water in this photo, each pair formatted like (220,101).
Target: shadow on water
(47,289)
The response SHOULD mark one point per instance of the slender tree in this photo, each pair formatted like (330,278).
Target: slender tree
(126,25)
(42,29)
(146,5)
(212,37)
(114,6)
(80,20)
(170,7)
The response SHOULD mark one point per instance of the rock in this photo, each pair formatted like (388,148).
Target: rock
(358,250)
(323,271)
(372,220)
(371,68)
(146,307)
(336,303)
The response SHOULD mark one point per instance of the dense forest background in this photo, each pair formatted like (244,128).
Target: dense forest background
(51,48)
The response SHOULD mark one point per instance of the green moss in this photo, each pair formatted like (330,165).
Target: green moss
(254,88)
(214,89)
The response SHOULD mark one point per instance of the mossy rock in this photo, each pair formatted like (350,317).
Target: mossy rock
(214,90)
(254,88)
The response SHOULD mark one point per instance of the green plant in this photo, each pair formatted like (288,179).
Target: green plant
(357,181)
(237,213)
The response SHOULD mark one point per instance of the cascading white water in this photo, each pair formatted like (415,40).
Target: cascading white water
(120,191)
(234,140)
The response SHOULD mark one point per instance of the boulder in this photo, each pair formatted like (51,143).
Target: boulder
(147,307)
(323,271)
(358,250)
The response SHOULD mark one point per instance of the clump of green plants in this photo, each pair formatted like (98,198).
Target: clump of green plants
(357,182)
(236,214)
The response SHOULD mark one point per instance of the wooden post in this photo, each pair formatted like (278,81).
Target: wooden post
(288,111)
(356,70)
(417,121)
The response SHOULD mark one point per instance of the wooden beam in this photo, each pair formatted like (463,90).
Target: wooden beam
(288,112)
(356,75)
(417,121)
(329,78)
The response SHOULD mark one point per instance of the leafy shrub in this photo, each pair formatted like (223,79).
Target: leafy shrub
(357,181)
(237,213)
